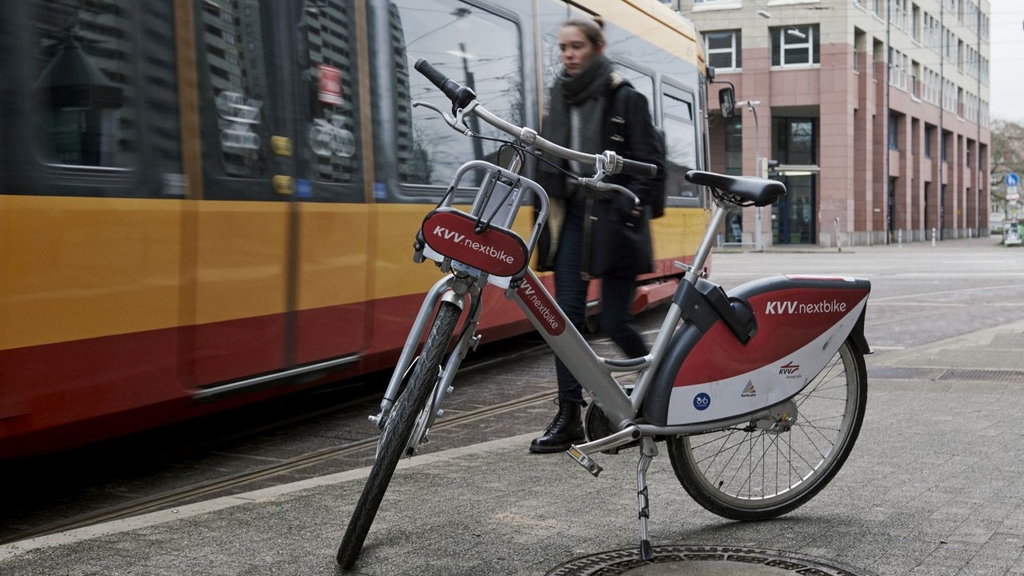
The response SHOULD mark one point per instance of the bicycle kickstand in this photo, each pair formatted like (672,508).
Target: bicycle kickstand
(648,450)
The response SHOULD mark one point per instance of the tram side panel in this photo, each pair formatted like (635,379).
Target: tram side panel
(127,287)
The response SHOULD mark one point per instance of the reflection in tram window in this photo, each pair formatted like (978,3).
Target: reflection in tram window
(465,43)
(237,75)
(331,141)
(85,83)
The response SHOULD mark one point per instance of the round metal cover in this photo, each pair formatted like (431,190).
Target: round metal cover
(703,561)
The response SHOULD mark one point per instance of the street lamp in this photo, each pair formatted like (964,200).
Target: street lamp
(752,104)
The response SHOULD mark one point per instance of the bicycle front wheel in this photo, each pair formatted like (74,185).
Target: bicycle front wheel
(754,474)
(397,431)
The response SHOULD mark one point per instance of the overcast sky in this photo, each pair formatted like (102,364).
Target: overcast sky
(1007,60)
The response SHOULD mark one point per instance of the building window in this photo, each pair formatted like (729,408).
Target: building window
(724,49)
(794,45)
(915,23)
(899,13)
(929,135)
(894,124)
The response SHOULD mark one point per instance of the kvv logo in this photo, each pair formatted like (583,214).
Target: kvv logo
(797,307)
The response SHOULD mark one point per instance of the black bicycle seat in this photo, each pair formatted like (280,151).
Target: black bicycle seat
(757,191)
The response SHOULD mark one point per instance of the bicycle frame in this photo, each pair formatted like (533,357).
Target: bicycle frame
(444,238)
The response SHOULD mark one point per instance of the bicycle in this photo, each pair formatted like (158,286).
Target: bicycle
(758,394)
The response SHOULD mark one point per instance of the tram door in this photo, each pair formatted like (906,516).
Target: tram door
(281,226)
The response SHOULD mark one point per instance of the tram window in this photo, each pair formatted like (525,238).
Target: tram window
(641,82)
(85,83)
(234,119)
(681,144)
(472,46)
(331,136)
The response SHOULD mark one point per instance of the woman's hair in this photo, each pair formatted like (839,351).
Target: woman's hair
(593,29)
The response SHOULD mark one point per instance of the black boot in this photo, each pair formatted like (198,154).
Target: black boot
(565,429)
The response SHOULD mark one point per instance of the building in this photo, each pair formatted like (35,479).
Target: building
(875,110)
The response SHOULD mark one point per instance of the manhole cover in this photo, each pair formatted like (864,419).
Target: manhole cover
(703,561)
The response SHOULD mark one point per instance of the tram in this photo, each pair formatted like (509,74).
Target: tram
(205,203)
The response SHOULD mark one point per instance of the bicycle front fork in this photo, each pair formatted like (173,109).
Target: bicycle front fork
(451,289)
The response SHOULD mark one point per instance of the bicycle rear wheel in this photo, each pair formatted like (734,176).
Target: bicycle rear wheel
(754,474)
(395,437)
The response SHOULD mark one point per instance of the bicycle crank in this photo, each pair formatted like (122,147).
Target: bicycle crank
(616,440)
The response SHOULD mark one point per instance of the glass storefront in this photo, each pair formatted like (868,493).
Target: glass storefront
(794,217)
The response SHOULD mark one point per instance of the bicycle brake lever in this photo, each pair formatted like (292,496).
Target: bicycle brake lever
(454,123)
(597,184)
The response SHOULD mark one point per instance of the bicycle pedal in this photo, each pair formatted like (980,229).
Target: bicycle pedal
(583,460)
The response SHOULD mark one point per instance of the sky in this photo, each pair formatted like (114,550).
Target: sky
(1006,70)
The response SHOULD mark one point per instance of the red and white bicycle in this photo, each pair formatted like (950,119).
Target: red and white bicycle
(758,394)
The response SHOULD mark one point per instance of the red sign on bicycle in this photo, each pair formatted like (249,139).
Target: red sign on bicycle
(497,251)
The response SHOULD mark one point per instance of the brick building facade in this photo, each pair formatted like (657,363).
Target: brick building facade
(876,111)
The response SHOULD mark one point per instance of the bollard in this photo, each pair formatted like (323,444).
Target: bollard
(899,238)
(933,237)
(839,245)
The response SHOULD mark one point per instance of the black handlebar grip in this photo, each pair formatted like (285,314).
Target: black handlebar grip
(460,95)
(443,83)
(639,168)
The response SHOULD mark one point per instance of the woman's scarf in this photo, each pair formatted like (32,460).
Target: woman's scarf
(586,92)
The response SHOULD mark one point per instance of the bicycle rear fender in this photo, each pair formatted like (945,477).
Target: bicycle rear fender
(791,325)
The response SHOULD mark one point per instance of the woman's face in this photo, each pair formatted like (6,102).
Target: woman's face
(575,49)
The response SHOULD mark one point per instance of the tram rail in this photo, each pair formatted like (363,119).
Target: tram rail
(233,483)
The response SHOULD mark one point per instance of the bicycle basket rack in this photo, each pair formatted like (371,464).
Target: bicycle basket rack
(482,241)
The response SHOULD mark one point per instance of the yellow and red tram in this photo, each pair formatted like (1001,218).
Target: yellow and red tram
(210,202)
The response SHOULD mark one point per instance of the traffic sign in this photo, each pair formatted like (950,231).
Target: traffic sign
(1011,179)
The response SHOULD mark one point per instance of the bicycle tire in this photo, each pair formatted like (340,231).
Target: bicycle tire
(395,436)
(729,472)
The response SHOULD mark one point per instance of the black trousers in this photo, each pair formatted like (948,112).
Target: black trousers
(571,295)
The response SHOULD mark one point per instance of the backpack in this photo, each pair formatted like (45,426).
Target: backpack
(659,187)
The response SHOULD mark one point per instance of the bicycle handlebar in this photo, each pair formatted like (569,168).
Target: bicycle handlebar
(464,99)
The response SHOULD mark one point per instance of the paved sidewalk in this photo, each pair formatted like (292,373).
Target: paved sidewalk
(933,488)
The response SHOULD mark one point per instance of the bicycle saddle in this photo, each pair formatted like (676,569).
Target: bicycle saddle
(758,191)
